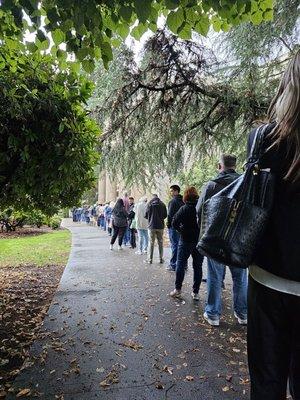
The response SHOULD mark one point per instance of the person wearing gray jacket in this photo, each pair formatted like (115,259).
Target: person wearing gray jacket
(141,226)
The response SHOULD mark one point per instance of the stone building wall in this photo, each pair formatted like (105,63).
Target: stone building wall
(110,190)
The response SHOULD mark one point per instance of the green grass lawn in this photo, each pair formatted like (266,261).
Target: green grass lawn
(48,248)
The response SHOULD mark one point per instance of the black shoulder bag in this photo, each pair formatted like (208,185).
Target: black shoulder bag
(233,220)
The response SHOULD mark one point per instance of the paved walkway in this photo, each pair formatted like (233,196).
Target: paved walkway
(112,332)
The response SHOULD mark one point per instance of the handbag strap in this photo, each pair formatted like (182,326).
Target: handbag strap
(257,145)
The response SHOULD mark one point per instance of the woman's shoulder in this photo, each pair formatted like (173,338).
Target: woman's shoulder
(266,129)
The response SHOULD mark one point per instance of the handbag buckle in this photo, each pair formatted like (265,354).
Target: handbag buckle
(256,169)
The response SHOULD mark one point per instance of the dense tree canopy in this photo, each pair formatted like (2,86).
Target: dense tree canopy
(90,28)
(47,140)
(186,102)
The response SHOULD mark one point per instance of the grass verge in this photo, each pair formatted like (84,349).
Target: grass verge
(49,248)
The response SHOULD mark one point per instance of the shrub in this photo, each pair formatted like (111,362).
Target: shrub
(54,222)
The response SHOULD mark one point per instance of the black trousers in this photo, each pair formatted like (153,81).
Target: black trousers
(132,238)
(273,342)
(118,232)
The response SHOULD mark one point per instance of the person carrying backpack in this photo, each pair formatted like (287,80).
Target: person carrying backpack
(215,271)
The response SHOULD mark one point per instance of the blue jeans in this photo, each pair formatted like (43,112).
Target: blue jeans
(143,239)
(126,238)
(174,239)
(215,274)
(185,250)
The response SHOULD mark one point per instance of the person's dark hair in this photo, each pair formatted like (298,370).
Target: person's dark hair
(285,111)
(190,194)
(119,203)
(175,187)
(130,198)
(228,161)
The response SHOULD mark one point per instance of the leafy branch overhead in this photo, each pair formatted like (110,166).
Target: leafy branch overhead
(90,28)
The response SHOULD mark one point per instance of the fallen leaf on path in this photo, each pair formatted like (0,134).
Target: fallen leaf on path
(132,345)
(168,369)
(23,392)
(159,386)
(104,383)
(189,378)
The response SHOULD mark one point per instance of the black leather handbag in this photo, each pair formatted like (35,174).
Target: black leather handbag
(233,220)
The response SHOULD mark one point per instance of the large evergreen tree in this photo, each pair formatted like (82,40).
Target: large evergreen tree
(186,102)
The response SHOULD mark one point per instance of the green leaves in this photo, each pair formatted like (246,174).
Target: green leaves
(138,31)
(48,161)
(86,25)
(58,36)
(126,12)
(88,65)
(123,30)
(172,4)
(142,9)
(175,20)
(202,26)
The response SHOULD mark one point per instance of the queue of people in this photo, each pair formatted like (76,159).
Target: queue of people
(274,276)
(99,215)
(272,310)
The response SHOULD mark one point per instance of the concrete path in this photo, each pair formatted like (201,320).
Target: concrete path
(112,332)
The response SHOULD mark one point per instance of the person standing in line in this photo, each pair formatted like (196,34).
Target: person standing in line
(215,270)
(141,225)
(132,230)
(156,213)
(274,281)
(185,222)
(105,206)
(173,206)
(87,215)
(119,216)
(108,217)
(126,238)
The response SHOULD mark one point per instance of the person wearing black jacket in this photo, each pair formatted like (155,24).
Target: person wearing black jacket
(119,222)
(215,270)
(173,206)
(185,223)
(274,281)
(131,215)
(156,213)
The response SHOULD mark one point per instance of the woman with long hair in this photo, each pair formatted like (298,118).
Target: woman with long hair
(274,283)
(185,222)
(119,223)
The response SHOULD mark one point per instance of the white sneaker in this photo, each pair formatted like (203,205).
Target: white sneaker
(195,296)
(111,247)
(120,248)
(145,252)
(241,321)
(138,252)
(176,294)
(213,322)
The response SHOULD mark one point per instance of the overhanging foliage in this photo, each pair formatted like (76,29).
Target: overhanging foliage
(47,140)
(90,28)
